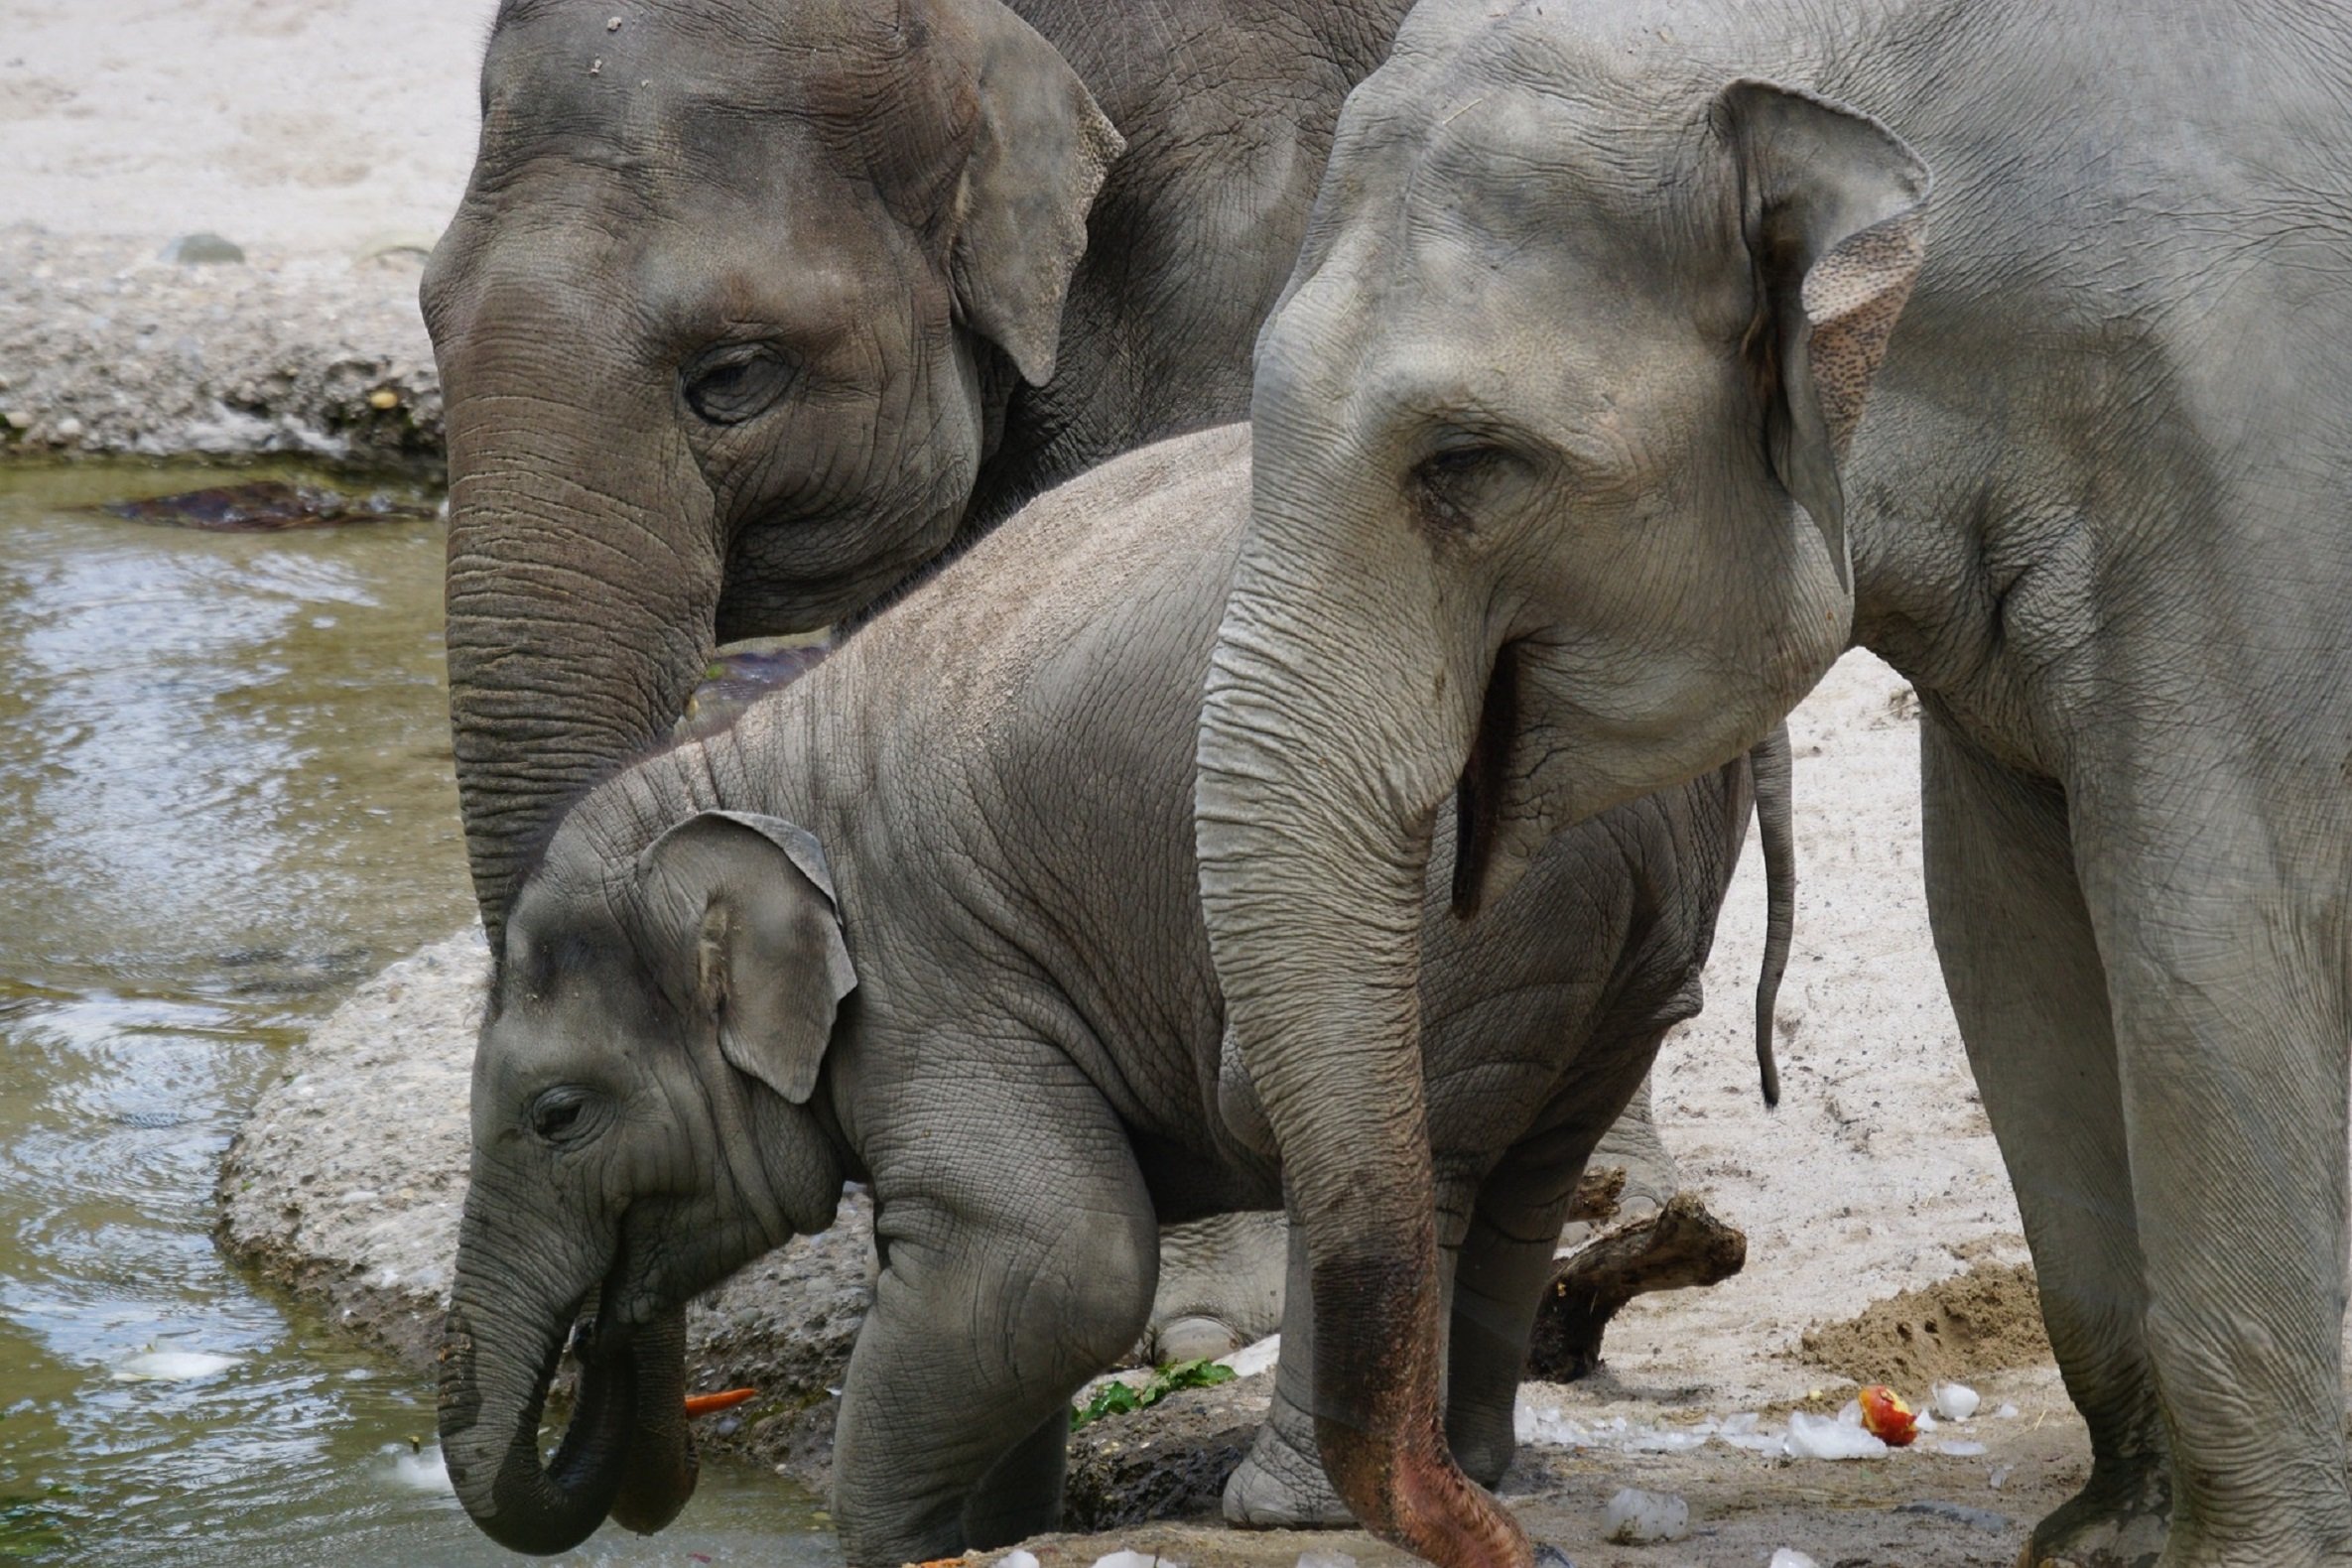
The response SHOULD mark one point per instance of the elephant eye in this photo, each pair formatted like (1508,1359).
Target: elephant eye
(1446,483)
(731,383)
(555,1115)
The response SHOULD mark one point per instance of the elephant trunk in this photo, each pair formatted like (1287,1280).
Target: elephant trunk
(1327,743)
(584,583)
(625,1454)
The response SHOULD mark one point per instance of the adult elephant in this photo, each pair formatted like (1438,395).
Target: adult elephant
(753,306)
(1560,497)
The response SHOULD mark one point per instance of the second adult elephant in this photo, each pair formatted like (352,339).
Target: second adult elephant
(1564,491)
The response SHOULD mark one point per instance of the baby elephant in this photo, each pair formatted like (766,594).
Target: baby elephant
(928,919)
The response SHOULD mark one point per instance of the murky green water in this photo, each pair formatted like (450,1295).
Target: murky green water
(225,798)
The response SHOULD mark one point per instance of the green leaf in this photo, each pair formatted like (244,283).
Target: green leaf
(1119,1399)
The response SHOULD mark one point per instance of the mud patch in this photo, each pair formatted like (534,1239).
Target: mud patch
(1984,1320)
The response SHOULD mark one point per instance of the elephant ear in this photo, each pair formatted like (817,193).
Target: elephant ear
(769,963)
(1833,209)
(1038,157)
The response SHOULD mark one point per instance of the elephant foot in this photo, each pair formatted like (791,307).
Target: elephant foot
(1280,1486)
(1193,1338)
(1680,1246)
(2107,1525)
(1220,1286)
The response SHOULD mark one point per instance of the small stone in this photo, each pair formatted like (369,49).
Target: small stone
(1634,1518)
(596,66)
(383,398)
(18,419)
(68,429)
(613,26)
(201,248)
(1959,1514)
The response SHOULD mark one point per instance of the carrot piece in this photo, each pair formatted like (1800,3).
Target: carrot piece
(711,1403)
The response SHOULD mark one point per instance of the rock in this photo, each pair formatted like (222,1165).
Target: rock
(268,506)
(282,358)
(200,249)
(1168,1461)
(1960,1513)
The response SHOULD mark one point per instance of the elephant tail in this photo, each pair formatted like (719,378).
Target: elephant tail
(1776,823)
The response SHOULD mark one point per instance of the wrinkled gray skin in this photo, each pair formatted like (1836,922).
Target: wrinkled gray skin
(752,306)
(675,1075)
(1557,450)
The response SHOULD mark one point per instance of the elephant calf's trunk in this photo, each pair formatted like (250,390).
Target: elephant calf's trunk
(490,1438)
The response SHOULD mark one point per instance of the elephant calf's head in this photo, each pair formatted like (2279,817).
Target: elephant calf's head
(725,320)
(639,1132)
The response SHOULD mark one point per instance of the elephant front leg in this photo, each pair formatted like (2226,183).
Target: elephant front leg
(2029,991)
(1007,1284)
(1281,1484)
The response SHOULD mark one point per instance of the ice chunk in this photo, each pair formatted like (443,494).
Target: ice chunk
(172,1365)
(1959,1448)
(1251,1360)
(1820,1437)
(1322,1559)
(1016,1558)
(1744,1432)
(1790,1557)
(1136,1560)
(1954,1401)
(1635,1516)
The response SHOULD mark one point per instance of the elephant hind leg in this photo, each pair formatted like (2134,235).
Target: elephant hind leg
(1506,1255)
(2022,965)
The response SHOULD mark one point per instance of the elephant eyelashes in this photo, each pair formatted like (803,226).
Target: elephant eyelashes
(732,384)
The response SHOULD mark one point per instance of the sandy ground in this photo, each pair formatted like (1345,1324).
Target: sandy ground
(328,140)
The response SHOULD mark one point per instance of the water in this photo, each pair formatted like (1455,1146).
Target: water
(225,798)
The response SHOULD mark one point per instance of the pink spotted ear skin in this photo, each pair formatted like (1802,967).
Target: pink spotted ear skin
(1853,297)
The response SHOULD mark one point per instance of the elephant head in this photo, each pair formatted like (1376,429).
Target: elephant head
(642,1129)
(725,323)
(1545,513)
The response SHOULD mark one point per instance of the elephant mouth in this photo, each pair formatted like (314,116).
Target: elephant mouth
(625,1454)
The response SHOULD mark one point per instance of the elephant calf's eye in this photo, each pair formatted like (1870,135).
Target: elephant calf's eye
(730,384)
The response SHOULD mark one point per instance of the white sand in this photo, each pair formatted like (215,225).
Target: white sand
(292,125)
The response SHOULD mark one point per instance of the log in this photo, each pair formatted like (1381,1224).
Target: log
(1675,1248)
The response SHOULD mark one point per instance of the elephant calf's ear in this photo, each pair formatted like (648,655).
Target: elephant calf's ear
(1833,209)
(769,961)
(1039,156)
